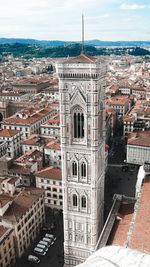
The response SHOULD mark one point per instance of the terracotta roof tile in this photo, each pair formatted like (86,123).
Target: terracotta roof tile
(50,172)
(141,138)
(8,133)
(121,226)
(22,202)
(82,58)
(140,238)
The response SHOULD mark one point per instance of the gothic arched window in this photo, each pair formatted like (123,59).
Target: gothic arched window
(78,124)
(74,168)
(83,202)
(83,170)
(75,201)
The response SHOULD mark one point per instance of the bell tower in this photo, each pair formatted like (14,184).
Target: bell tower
(82,116)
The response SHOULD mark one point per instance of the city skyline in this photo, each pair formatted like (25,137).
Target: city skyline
(109,20)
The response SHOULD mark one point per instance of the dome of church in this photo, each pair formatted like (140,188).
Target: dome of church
(111,256)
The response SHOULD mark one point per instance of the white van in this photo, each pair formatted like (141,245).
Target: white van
(50,241)
(50,236)
(45,248)
(44,243)
(39,251)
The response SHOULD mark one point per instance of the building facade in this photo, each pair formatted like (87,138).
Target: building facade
(82,121)
(7,250)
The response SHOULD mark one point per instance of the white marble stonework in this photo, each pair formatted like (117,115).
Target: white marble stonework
(82,120)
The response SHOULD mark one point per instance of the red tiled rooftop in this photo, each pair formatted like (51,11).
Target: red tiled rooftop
(22,202)
(8,133)
(141,138)
(140,238)
(50,172)
(82,58)
(54,145)
(121,226)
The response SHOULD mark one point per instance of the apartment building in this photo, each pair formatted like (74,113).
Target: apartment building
(128,125)
(13,141)
(51,127)
(138,147)
(7,250)
(25,215)
(52,153)
(36,142)
(13,96)
(28,120)
(25,167)
(50,179)
(8,185)
(31,85)
(3,148)
(118,103)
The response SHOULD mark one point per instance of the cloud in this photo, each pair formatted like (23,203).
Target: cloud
(132,7)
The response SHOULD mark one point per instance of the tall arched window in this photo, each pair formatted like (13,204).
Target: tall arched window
(78,125)
(75,201)
(83,170)
(74,168)
(83,202)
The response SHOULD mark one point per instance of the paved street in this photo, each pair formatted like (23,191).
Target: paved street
(118,181)
(54,255)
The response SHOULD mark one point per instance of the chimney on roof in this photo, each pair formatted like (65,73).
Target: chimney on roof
(137,135)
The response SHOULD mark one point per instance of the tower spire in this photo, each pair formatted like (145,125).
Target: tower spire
(82,34)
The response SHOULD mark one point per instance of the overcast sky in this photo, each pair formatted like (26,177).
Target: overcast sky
(61,19)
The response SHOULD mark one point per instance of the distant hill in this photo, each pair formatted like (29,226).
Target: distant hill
(71,50)
(54,43)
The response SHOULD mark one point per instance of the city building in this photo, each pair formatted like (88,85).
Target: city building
(50,179)
(28,120)
(52,153)
(25,167)
(25,215)
(8,185)
(3,148)
(82,119)
(31,85)
(118,103)
(138,147)
(7,249)
(36,142)
(51,127)
(13,141)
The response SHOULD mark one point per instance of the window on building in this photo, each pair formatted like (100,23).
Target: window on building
(54,189)
(75,201)
(78,125)
(74,168)
(54,195)
(83,202)
(83,170)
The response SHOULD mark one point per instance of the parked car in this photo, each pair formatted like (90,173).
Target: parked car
(39,251)
(51,236)
(44,247)
(50,241)
(44,243)
(33,259)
